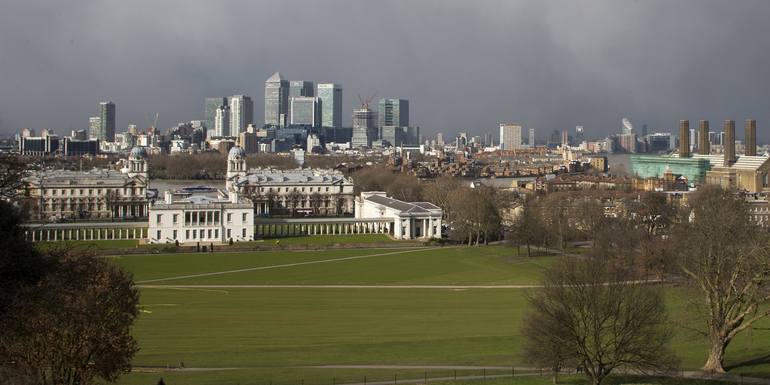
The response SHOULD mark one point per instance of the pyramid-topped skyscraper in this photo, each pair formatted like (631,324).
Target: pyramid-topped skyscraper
(276,100)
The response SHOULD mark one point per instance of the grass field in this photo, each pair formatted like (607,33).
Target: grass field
(269,335)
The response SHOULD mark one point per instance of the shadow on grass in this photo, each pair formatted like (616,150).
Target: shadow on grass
(761,360)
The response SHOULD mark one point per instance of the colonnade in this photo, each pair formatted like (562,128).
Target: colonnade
(291,228)
(84,233)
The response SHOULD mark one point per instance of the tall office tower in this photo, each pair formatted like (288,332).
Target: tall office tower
(532,137)
(94,124)
(211,104)
(440,139)
(241,113)
(393,112)
(693,140)
(684,138)
(627,127)
(222,121)
(704,146)
(330,95)
(644,130)
(298,88)
(510,136)
(276,100)
(107,128)
(564,138)
(579,136)
(715,138)
(305,110)
(363,127)
(729,142)
(751,137)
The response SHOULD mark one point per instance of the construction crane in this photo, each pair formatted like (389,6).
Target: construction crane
(365,102)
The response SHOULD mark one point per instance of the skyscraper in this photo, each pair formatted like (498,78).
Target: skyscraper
(751,137)
(330,95)
(107,119)
(305,110)
(276,100)
(393,112)
(729,143)
(510,136)
(210,111)
(222,121)
(364,131)
(94,125)
(299,88)
(684,138)
(704,145)
(241,113)
(532,137)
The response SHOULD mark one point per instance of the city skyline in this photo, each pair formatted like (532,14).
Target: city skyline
(643,67)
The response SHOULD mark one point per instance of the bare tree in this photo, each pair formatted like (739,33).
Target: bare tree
(12,172)
(528,229)
(71,328)
(599,316)
(727,259)
(315,202)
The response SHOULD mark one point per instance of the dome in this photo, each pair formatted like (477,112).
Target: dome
(237,151)
(138,152)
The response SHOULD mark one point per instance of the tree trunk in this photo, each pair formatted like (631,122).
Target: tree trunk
(716,358)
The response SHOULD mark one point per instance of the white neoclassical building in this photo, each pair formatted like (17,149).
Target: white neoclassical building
(201,218)
(299,191)
(409,220)
(65,194)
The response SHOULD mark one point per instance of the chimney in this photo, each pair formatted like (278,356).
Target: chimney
(703,137)
(234,197)
(751,137)
(169,197)
(729,142)
(684,138)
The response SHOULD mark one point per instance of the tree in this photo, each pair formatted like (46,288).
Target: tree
(73,327)
(13,170)
(727,259)
(294,199)
(315,202)
(528,227)
(602,317)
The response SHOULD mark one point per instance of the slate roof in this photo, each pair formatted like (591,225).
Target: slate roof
(405,207)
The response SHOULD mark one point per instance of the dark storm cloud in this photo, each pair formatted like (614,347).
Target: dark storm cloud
(464,66)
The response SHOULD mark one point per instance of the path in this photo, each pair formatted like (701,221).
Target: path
(322,286)
(283,265)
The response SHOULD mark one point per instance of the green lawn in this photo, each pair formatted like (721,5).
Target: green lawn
(269,333)
(434,266)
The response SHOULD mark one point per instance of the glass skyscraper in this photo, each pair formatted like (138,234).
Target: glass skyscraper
(393,112)
(210,111)
(330,95)
(299,88)
(305,111)
(107,128)
(241,113)
(276,100)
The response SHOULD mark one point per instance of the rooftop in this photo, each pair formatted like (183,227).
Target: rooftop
(79,178)
(405,207)
(296,176)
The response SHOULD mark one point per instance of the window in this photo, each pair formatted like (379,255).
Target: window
(195,234)
(244,232)
(158,235)
(176,219)
(229,219)
(216,217)
(174,235)
(187,234)
(243,220)
(216,233)
(228,234)
(158,218)
(209,233)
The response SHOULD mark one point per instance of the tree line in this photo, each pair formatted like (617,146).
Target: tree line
(605,310)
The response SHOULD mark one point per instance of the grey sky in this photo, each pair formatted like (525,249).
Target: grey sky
(464,65)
